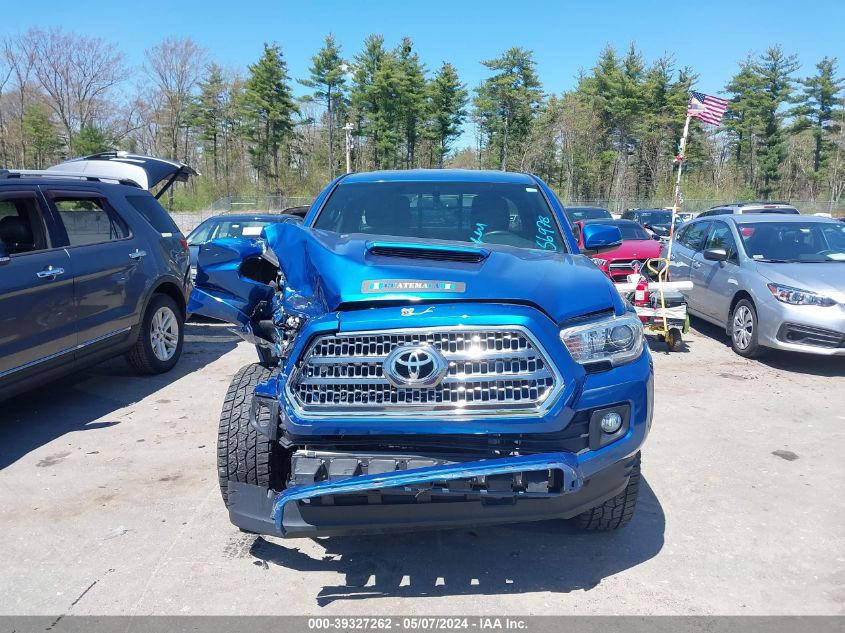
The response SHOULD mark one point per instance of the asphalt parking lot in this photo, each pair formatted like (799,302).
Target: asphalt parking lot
(110,506)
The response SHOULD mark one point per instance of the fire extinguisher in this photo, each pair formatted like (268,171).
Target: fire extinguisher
(641,297)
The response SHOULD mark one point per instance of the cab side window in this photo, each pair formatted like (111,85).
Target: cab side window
(21,224)
(89,220)
(721,237)
(694,236)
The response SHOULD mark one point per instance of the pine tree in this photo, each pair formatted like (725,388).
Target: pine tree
(742,119)
(40,138)
(506,103)
(774,69)
(411,93)
(268,110)
(448,101)
(817,108)
(328,79)
(91,140)
(374,98)
(208,112)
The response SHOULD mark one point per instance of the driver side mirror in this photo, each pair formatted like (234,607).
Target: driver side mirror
(599,238)
(716,254)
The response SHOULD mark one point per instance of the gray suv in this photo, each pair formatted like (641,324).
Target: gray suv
(91,266)
(772,281)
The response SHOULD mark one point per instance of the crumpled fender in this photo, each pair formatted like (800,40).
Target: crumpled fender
(221,292)
(565,462)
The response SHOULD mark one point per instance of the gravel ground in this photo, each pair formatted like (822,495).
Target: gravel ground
(111,506)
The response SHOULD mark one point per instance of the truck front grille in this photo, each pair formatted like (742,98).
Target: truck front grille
(490,371)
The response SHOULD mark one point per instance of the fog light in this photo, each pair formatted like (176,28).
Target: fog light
(611,422)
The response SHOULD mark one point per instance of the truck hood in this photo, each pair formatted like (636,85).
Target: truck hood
(326,271)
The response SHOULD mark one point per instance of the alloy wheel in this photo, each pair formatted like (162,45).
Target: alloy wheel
(743,327)
(164,333)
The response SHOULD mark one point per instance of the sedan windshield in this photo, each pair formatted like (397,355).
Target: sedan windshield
(633,232)
(655,217)
(794,241)
(588,213)
(479,213)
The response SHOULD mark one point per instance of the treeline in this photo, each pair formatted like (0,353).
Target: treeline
(613,138)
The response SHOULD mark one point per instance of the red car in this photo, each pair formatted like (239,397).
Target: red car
(637,247)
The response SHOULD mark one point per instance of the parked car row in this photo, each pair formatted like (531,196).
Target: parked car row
(771,277)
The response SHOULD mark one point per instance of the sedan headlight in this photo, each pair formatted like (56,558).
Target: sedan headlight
(617,340)
(598,261)
(798,297)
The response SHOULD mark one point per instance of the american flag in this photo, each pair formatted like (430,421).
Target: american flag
(706,107)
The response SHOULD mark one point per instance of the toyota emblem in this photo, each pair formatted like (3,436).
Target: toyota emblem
(415,366)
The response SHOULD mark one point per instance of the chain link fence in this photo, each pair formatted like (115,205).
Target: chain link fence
(188,220)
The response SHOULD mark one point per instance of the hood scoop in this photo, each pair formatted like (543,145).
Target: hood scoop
(428,251)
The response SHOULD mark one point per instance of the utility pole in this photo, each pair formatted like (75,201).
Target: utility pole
(348,129)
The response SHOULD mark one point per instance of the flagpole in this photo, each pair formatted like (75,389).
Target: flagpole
(676,201)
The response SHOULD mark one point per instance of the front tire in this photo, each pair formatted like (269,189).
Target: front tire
(159,343)
(243,454)
(744,327)
(614,513)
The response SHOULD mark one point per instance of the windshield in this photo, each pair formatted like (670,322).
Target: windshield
(633,232)
(794,241)
(588,214)
(654,217)
(220,227)
(480,213)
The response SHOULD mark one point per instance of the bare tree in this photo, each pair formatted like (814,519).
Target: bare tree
(18,54)
(175,66)
(77,73)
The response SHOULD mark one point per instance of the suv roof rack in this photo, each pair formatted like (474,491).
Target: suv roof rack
(748,202)
(42,173)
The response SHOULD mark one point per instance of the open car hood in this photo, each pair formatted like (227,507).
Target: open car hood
(146,171)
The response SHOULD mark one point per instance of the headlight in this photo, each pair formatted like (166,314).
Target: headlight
(617,340)
(598,261)
(798,297)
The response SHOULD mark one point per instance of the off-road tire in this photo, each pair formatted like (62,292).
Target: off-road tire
(753,349)
(616,512)
(243,454)
(141,356)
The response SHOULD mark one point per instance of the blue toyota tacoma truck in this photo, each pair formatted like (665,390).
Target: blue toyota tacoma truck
(434,352)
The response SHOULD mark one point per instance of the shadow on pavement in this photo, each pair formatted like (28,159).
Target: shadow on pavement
(81,401)
(546,556)
(797,362)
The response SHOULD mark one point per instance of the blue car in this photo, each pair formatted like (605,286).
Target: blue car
(435,352)
(232,225)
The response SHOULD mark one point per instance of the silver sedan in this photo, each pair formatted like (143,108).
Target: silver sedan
(772,281)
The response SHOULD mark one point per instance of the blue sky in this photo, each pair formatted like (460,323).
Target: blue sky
(565,36)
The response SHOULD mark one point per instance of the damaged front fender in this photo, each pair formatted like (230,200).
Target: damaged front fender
(571,478)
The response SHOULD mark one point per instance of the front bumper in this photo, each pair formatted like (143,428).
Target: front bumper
(807,329)
(474,487)
(252,508)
